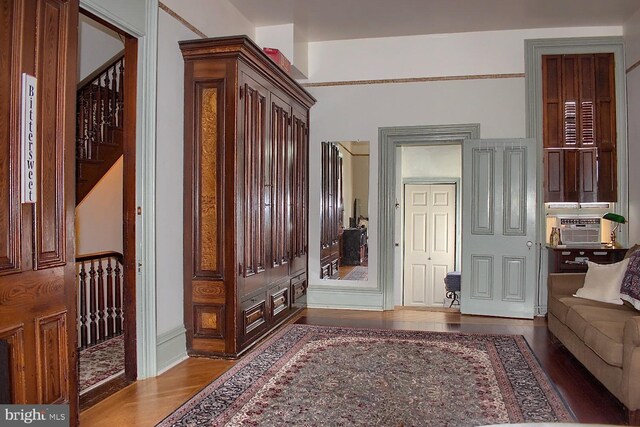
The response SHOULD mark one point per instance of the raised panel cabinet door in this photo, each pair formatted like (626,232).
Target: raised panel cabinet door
(571,175)
(255,181)
(553,175)
(299,187)
(588,175)
(606,135)
(280,137)
(37,283)
(552,101)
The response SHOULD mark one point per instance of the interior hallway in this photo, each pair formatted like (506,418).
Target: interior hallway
(145,403)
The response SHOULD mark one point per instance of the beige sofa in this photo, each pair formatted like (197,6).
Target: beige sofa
(605,338)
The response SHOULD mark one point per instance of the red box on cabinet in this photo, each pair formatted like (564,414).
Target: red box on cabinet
(278,58)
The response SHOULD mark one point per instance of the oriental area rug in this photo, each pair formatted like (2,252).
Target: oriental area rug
(327,376)
(100,363)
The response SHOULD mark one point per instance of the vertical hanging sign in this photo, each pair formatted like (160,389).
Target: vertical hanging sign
(28,138)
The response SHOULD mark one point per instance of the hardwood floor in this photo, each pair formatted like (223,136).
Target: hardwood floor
(144,403)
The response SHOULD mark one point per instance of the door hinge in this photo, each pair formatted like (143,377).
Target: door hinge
(241,92)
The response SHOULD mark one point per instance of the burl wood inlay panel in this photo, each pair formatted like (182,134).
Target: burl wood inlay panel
(208,292)
(15,337)
(209,321)
(9,191)
(51,352)
(209,218)
(50,215)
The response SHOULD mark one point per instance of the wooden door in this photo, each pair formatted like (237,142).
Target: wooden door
(37,286)
(429,242)
(498,227)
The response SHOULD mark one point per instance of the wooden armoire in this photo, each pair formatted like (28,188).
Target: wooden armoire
(245,194)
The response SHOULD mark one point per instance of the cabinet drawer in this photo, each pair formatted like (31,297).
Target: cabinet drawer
(572,256)
(279,302)
(298,289)
(326,271)
(254,315)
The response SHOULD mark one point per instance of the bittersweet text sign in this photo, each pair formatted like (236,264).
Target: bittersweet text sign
(28,125)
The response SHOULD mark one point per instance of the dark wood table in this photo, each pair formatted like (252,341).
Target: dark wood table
(572,259)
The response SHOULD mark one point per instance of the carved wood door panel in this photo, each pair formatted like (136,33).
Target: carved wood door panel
(298,202)
(37,286)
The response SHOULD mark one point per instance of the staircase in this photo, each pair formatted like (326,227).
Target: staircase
(99,124)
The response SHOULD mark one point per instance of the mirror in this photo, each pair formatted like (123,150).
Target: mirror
(344,205)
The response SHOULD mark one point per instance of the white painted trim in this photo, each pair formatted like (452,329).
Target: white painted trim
(97,9)
(145,193)
(145,175)
(172,348)
(343,298)
(389,138)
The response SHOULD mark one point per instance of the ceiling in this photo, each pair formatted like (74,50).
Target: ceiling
(321,20)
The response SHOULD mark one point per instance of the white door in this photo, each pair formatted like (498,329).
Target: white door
(429,242)
(498,227)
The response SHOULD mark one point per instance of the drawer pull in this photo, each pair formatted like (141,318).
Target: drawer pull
(600,253)
(279,301)
(252,317)
(566,253)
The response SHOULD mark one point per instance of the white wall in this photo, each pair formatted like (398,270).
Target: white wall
(443,161)
(96,45)
(489,52)
(361,183)
(214,19)
(99,215)
(632,51)
(356,112)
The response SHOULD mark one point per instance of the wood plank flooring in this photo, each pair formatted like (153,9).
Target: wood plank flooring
(145,403)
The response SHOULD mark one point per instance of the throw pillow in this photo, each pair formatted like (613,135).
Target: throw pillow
(630,289)
(631,250)
(603,282)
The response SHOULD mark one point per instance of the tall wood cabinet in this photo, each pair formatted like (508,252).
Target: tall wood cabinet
(245,194)
(579,125)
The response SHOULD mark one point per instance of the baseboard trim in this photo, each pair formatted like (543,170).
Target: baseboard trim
(344,299)
(171,348)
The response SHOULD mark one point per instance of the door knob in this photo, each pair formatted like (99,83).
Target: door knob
(529,244)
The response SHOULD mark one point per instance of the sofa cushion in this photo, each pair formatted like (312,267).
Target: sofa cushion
(580,316)
(560,306)
(605,338)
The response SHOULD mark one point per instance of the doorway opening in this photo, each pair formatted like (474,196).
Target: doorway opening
(105,208)
(390,189)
